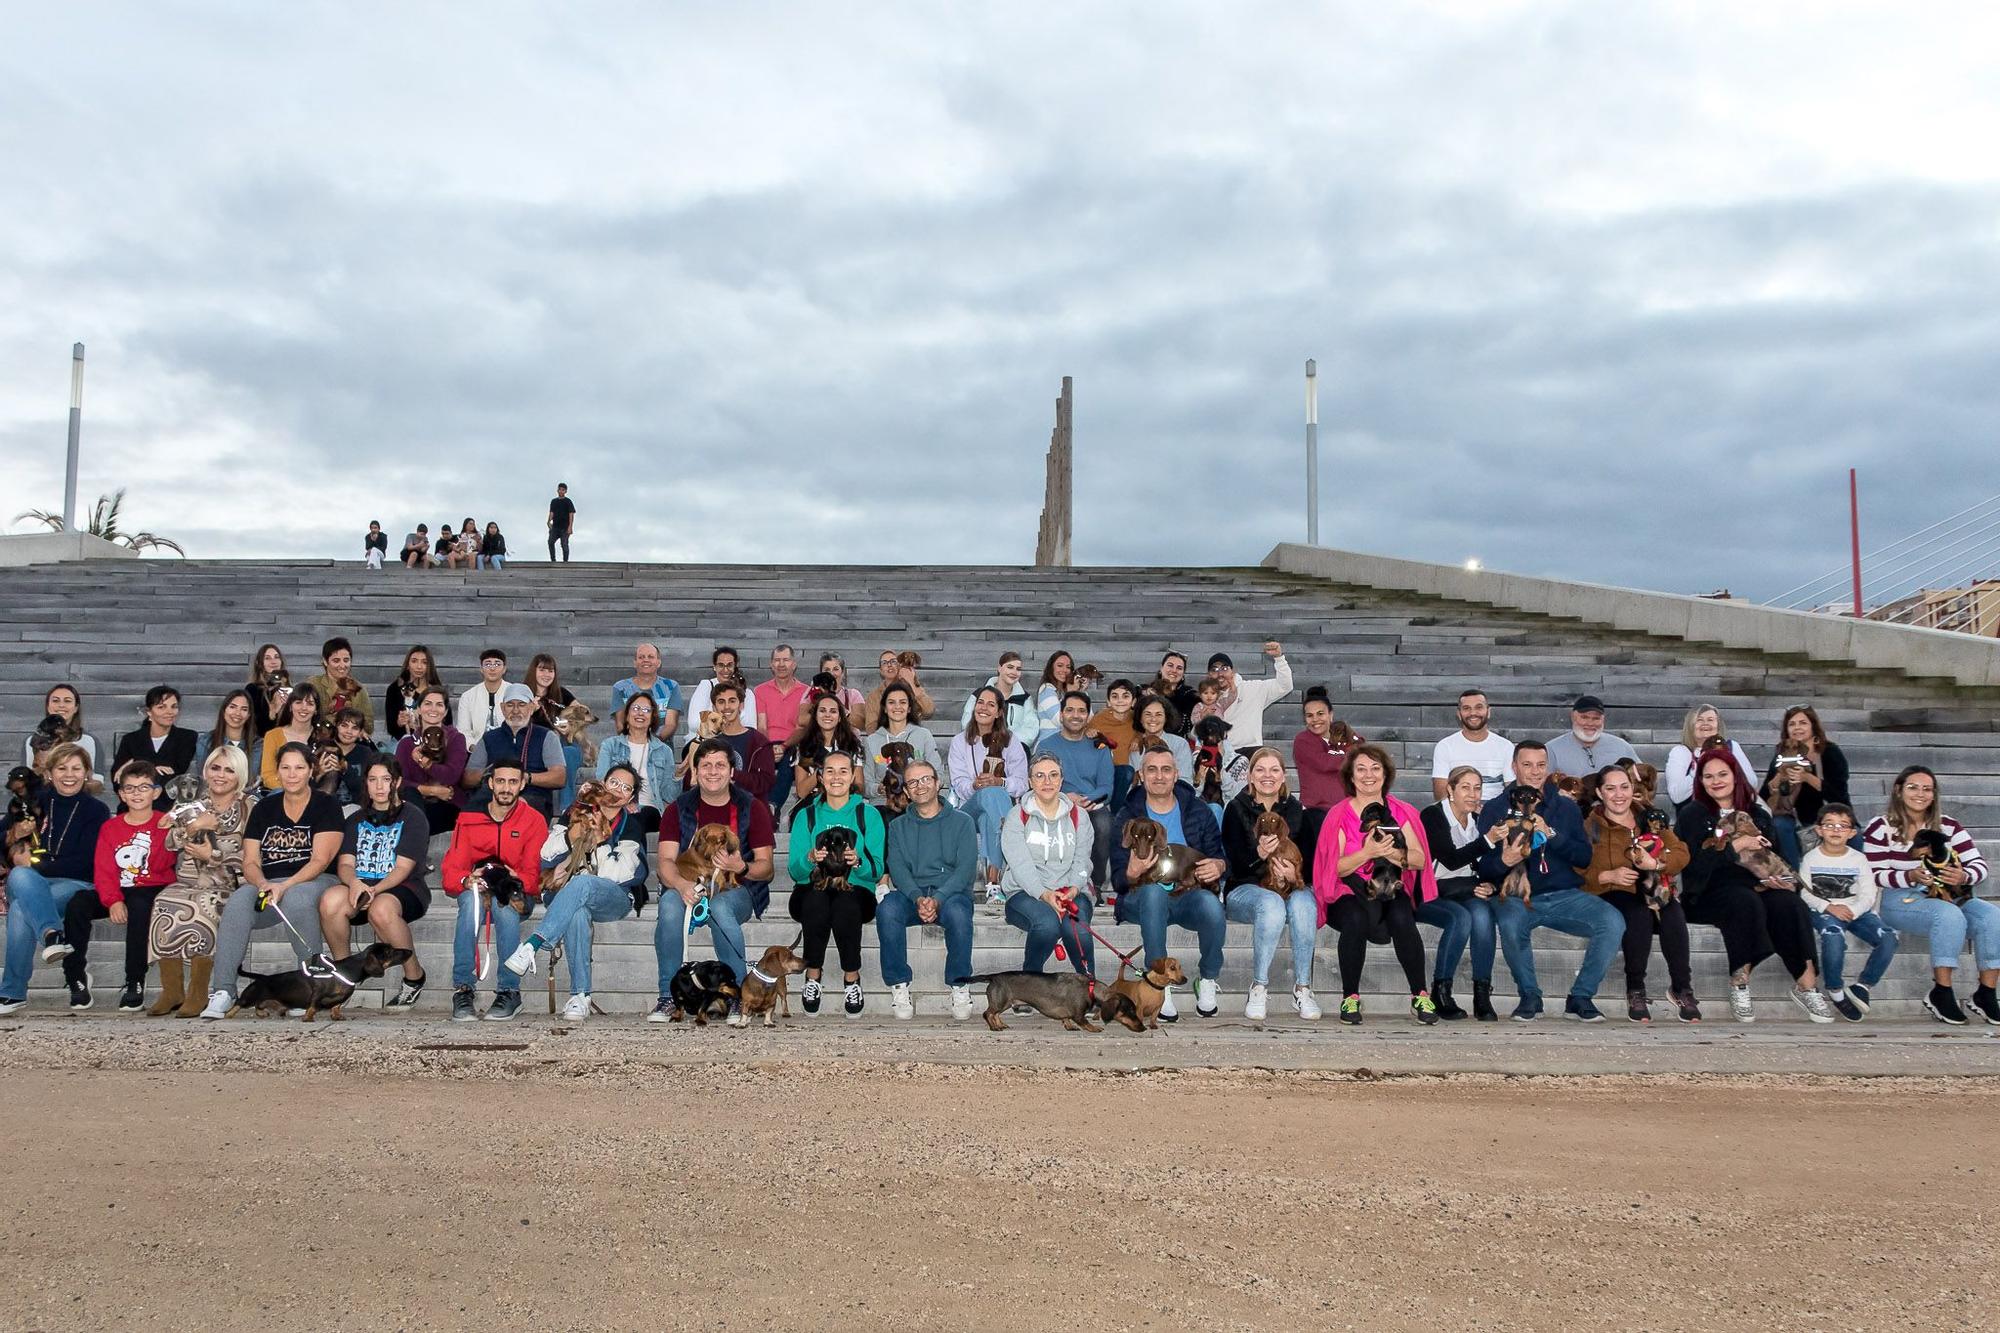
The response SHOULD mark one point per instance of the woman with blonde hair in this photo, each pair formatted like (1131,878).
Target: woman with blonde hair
(1701,728)
(208,835)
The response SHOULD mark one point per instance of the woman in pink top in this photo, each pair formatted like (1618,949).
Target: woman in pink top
(1343,869)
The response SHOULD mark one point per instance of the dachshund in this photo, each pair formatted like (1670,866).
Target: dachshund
(1769,867)
(1934,853)
(1086,677)
(699,987)
(696,862)
(1786,781)
(706,729)
(502,887)
(895,758)
(764,987)
(1571,787)
(1655,887)
(1063,996)
(280,992)
(1134,1002)
(1208,735)
(1523,804)
(1385,877)
(50,732)
(1645,781)
(1284,869)
(431,747)
(572,724)
(1173,862)
(591,818)
(831,873)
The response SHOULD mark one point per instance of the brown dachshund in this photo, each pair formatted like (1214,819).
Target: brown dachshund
(764,986)
(696,862)
(1284,868)
(896,757)
(1769,867)
(573,725)
(1135,1002)
(1173,862)
(591,819)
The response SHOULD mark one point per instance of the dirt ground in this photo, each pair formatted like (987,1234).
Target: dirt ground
(280,1188)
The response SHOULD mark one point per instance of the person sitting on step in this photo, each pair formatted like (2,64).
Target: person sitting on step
(1587,747)
(1463,909)
(1046,846)
(61,864)
(989,773)
(430,777)
(1701,728)
(519,737)
(207,833)
(1348,876)
(289,845)
(1936,902)
(931,851)
(722,666)
(133,864)
(713,800)
(839,911)
(166,748)
(608,884)
(897,709)
(1160,795)
(479,707)
(1840,889)
(1288,909)
(507,827)
(1017,701)
(1475,745)
(1086,776)
(1243,700)
(646,679)
(384,851)
(1619,853)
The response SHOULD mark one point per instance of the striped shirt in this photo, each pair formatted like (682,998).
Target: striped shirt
(1895,868)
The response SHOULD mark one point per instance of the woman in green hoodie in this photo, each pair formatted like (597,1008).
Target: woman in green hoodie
(839,911)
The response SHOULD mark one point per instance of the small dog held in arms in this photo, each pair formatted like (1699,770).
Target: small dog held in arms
(896,757)
(1173,862)
(831,873)
(497,880)
(1523,803)
(432,747)
(764,987)
(1655,888)
(591,820)
(1934,853)
(1208,735)
(573,725)
(696,862)
(1385,877)
(1284,869)
(1761,861)
(279,992)
(699,987)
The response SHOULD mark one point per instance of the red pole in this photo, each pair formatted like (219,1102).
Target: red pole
(1854,533)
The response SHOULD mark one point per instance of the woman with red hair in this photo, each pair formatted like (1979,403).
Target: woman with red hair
(1758,916)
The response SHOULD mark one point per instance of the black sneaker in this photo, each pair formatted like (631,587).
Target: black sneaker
(809,996)
(54,946)
(1527,1009)
(1847,1008)
(1424,1009)
(464,1009)
(1350,1011)
(1859,993)
(79,996)
(1685,1006)
(1582,1010)
(132,999)
(1637,1008)
(506,1004)
(1987,1004)
(852,1003)
(1943,1004)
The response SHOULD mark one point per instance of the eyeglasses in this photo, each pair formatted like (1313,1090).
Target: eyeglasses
(927,780)
(138,786)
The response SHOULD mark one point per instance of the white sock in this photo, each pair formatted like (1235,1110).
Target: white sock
(1840,994)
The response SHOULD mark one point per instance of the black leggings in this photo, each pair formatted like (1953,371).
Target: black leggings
(1756,925)
(86,907)
(1640,927)
(1358,919)
(840,913)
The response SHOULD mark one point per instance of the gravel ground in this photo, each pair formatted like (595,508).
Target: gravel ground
(273,1176)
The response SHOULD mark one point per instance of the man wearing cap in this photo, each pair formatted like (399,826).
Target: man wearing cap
(1243,701)
(1587,747)
(519,737)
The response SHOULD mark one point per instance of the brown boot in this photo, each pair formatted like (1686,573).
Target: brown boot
(197,988)
(173,988)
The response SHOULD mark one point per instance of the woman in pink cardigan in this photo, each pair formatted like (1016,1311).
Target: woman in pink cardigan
(1344,867)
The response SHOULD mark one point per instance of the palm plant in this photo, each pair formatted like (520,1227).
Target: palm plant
(104,523)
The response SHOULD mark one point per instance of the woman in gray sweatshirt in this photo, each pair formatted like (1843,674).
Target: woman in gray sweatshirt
(1045,844)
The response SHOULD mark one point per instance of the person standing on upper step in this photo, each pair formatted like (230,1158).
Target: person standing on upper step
(646,679)
(1558,900)
(722,663)
(562,522)
(1587,747)
(931,851)
(1474,746)
(1243,701)
(1160,796)
(1701,727)
(1936,904)
(1086,775)
(1023,723)
(479,707)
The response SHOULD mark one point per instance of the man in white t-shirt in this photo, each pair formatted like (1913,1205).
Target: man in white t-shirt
(1246,699)
(1473,744)
(479,707)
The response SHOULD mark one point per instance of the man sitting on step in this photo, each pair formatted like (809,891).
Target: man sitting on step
(479,707)
(1162,797)
(723,663)
(1558,900)
(646,679)
(519,737)
(507,827)
(713,800)
(1587,747)
(931,852)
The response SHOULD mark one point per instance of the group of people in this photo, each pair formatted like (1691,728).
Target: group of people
(469,546)
(296,814)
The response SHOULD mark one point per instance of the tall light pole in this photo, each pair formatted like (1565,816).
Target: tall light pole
(75,436)
(1313,451)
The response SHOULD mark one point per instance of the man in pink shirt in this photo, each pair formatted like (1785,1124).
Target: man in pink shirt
(778,702)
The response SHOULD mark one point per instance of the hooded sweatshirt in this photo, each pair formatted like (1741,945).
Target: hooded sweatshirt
(1044,852)
(932,857)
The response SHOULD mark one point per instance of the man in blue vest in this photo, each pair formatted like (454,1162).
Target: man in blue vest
(1159,795)
(713,799)
(521,738)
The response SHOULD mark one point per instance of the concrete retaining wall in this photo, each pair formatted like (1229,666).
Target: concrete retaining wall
(1961,658)
(43,548)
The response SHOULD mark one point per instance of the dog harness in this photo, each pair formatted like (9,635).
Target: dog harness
(758,973)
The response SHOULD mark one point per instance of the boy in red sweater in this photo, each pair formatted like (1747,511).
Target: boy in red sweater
(511,829)
(133,864)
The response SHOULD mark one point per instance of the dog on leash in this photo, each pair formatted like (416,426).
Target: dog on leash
(497,880)
(573,725)
(280,992)
(1134,1002)
(1063,996)
(764,987)
(1284,869)
(699,987)
(696,862)
(1173,863)
(591,819)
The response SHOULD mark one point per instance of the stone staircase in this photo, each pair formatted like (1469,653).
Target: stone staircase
(1394,662)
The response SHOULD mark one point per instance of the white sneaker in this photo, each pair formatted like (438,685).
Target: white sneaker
(521,963)
(1168,1013)
(220,1002)
(1816,1006)
(1303,1001)
(1253,1008)
(1739,1004)
(576,1010)
(1205,996)
(899,1001)
(961,1002)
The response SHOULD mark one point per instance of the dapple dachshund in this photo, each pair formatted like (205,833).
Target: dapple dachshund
(1761,861)
(1173,863)
(1063,996)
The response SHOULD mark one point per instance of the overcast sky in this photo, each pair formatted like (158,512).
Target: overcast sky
(1603,291)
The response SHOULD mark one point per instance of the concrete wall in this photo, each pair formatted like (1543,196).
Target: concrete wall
(44,548)
(1960,658)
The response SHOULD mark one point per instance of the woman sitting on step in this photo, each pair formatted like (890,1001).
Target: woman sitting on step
(208,835)
(827,730)
(842,910)
(1701,728)
(296,719)
(1348,869)
(431,775)
(1807,771)
(1463,909)
(1289,909)
(232,728)
(1937,903)
(898,707)
(384,848)
(1613,875)
(989,772)
(636,747)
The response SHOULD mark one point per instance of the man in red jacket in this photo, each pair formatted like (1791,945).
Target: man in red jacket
(511,829)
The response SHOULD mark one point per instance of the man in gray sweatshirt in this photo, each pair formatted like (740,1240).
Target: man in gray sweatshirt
(931,851)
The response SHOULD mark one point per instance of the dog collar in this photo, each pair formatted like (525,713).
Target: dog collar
(758,973)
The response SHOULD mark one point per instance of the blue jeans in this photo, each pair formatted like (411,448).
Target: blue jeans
(781,790)
(1197,910)
(492,562)
(506,938)
(1462,921)
(989,807)
(34,907)
(1043,927)
(1867,928)
(894,916)
(1787,830)
(573,766)
(1905,911)
(1270,915)
(1571,912)
(726,914)
(586,898)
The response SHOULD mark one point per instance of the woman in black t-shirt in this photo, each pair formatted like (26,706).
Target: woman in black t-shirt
(383,850)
